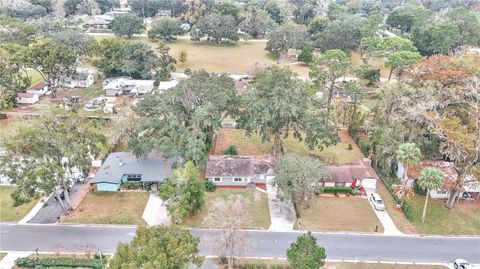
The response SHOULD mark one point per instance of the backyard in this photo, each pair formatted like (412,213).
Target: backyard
(256,203)
(352,214)
(252,145)
(110,208)
(7,211)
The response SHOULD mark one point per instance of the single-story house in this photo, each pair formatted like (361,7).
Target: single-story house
(98,21)
(239,171)
(82,79)
(27,98)
(178,76)
(121,86)
(121,167)
(39,89)
(450,175)
(351,174)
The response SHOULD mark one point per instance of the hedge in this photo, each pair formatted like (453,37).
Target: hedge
(63,262)
(263,266)
(336,189)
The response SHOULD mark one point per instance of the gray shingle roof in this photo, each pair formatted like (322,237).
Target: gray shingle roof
(237,166)
(153,168)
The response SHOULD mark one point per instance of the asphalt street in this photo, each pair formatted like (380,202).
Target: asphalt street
(364,247)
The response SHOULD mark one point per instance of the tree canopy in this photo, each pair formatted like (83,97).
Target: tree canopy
(286,37)
(166,28)
(181,122)
(278,105)
(216,27)
(169,247)
(184,192)
(297,178)
(305,253)
(126,25)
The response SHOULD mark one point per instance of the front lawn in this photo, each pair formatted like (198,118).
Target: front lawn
(110,208)
(257,204)
(463,219)
(253,146)
(361,265)
(353,214)
(7,211)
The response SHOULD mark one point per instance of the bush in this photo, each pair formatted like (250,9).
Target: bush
(223,259)
(350,147)
(364,146)
(356,191)
(209,186)
(337,190)
(132,185)
(231,150)
(63,262)
(418,190)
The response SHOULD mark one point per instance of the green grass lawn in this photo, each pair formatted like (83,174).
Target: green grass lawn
(34,76)
(352,214)
(256,201)
(7,211)
(252,145)
(9,127)
(110,208)
(463,219)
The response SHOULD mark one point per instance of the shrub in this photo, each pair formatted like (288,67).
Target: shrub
(63,262)
(418,190)
(209,186)
(364,146)
(336,189)
(231,150)
(223,259)
(356,191)
(132,185)
(350,147)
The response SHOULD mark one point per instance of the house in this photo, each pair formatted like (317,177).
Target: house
(121,167)
(27,98)
(81,79)
(450,175)
(351,175)
(237,171)
(39,89)
(122,85)
(165,85)
(178,76)
(98,21)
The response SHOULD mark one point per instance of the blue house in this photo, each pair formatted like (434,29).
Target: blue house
(121,167)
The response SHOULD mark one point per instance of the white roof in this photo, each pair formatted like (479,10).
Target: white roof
(165,85)
(177,75)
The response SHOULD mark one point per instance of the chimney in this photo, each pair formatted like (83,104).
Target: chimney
(120,163)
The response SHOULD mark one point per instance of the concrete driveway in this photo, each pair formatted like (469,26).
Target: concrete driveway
(155,212)
(387,222)
(282,213)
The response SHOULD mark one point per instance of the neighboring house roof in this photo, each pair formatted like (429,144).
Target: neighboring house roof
(130,85)
(448,169)
(178,76)
(38,86)
(152,168)
(80,76)
(238,166)
(350,171)
(26,95)
(165,85)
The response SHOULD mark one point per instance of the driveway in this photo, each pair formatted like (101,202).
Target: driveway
(155,212)
(52,209)
(282,213)
(387,222)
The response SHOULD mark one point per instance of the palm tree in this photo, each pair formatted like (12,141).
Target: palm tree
(408,154)
(430,179)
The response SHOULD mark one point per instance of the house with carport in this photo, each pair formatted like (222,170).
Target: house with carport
(355,174)
(122,167)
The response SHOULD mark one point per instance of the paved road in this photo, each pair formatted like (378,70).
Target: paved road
(365,247)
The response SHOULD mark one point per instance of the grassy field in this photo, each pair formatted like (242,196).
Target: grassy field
(9,127)
(252,145)
(257,204)
(463,219)
(34,76)
(110,208)
(352,214)
(7,211)
(235,58)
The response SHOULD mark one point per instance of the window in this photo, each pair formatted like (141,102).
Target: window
(238,179)
(339,184)
(442,192)
(134,177)
(217,179)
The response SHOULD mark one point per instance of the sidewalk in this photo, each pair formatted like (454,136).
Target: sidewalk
(9,261)
(282,213)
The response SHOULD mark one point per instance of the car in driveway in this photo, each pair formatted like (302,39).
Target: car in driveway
(462,264)
(377,201)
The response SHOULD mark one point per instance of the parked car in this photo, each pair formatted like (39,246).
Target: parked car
(377,201)
(462,264)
